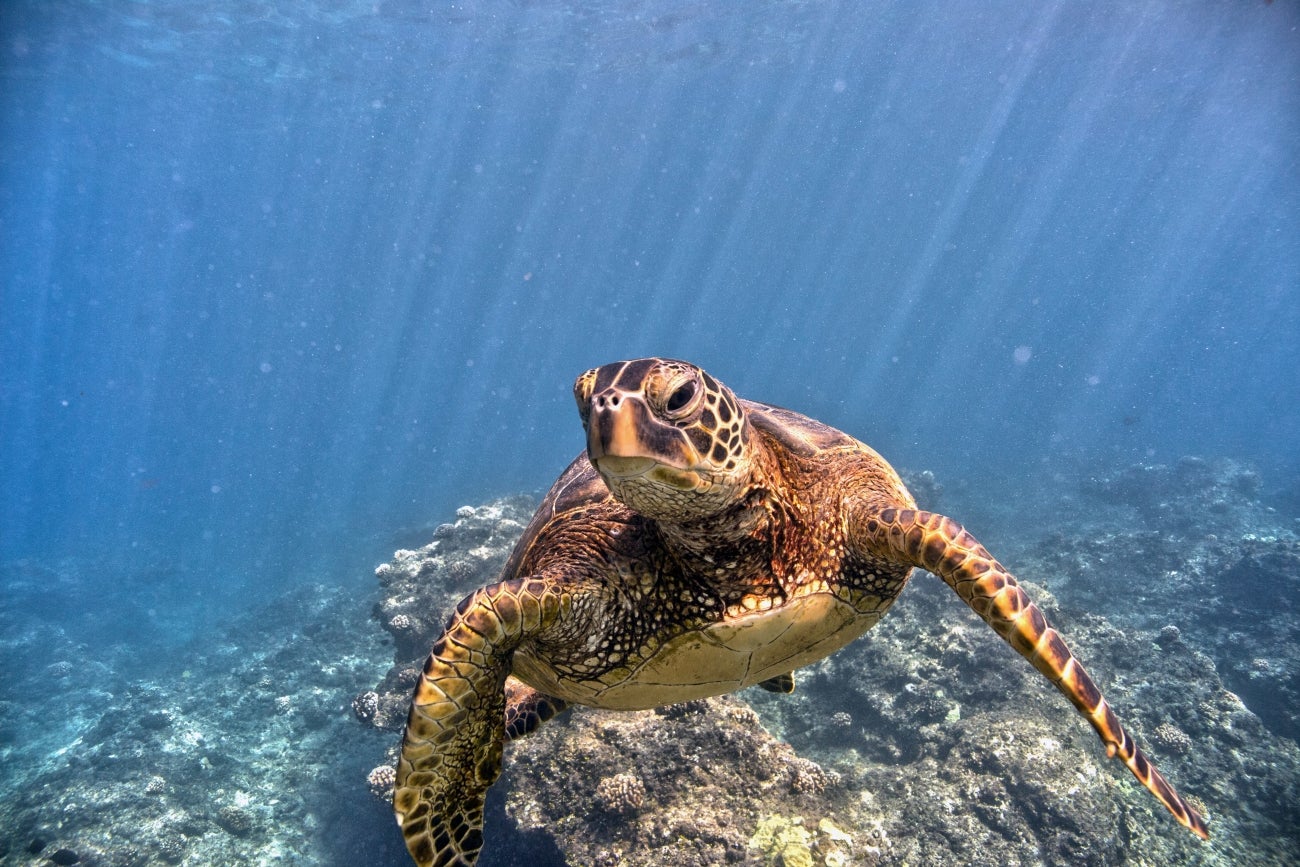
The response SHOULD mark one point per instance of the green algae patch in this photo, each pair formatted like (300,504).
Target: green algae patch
(785,841)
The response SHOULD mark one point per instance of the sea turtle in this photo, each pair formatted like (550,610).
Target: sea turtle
(702,544)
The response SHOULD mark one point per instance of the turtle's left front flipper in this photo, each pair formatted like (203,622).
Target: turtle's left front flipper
(457,727)
(942,546)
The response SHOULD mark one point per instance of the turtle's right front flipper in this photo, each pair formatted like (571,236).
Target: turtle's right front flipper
(943,546)
(451,750)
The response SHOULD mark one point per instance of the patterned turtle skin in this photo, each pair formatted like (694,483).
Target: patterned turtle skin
(702,544)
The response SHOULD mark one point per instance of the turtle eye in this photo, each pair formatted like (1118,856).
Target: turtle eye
(681,398)
(582,391)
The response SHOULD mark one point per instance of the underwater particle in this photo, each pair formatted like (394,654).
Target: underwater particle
(1022,354)
(265,367)
(621,794)
(381,780)
(1172,739)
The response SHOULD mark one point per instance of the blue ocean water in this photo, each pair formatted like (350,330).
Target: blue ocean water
(280,278)
(283,284)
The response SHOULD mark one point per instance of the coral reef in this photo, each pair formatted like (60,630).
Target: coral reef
(926,742)
(1193,497)
(707,774)
(238,755)
(1191,551)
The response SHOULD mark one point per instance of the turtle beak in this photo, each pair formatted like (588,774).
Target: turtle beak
(613,435)
(624,439)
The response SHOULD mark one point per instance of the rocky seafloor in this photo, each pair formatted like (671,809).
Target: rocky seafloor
(926,742)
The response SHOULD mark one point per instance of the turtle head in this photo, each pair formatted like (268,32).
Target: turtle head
(670,441)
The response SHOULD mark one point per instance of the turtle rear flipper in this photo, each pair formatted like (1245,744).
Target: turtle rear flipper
(943,546)
(456,730)
(782,683)
(527,708)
